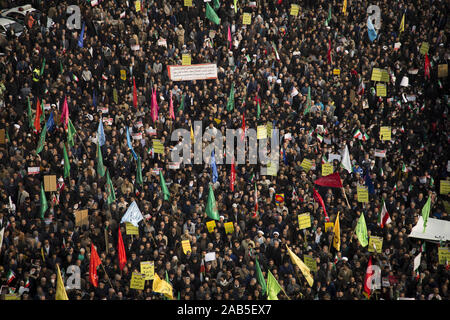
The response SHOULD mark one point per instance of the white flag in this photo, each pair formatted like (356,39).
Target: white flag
(1,238)
(346,164)
(133,215)
(417,261)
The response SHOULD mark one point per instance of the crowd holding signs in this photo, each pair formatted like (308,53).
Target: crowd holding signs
(92,206)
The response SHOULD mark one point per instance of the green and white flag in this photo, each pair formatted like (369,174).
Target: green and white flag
(66,163)
(273,287)
(110,189)
(42,139)
(361,231)
(211,206)
(426,213)
(44,204)
(163,186)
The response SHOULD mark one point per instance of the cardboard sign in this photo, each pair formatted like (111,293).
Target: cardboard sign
(34,170)
(211,225)
(137,281)
(381,90)
(131,229)
(385,133)
(186,245)
(445,187)
(261,132)
(162,42)
(50,183)
(379,75)
(272,169)
(174,165)
(2,136)
(108,121)
(246,18)
(81,217)
(157,146)
(304,221)
(12,296)
(380,153)
(137,136)
(295,8)
(424,47)
(327,169)
(443,255)
(186,59)
(337,72)
(442,70)
(148,269)
(306,164)
(137,5)
(229,227)
(363,194)
(375,244)
(188,3)
(310,262)
(123,75)
(329,225)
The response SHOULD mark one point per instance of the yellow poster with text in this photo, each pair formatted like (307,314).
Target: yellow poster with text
(304,221)
(375,244)
(148,269)
(211,225)
(137,281)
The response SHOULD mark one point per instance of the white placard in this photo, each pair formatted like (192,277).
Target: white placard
(210,256)
(193,72)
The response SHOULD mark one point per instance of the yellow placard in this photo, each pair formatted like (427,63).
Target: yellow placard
(186,59)
(337,72)
(381,90)
(218,121)
(261,132)
(445,187)
(310,262)
(229,227)
(12,296)
(115,96)
(211,225)
(379,75)
(157,146)
(123,74)
(148,269)
(186,245)
(442,70)
(131,230)
(137,4)
(246,18)
(424,47)
(447,206)
(329,225)
(304,220)
(295,8)
(444,255)
(306,164)
(188,3)
(269,128)
(137,281)
(375,244)
(272,169)
(363,194)
(327,169)
(385,133)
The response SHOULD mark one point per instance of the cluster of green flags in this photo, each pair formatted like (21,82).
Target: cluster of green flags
(272,287)
(211,14)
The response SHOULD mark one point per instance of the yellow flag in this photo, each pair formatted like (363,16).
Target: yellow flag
(337,234)
(162,286)
(61,293)
(305,270)
(344,7)
(402,24)
(192,135)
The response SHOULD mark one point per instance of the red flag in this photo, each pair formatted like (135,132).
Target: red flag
(319,199)
(427,66)
(172,114)
(121,251)
(332,180)
(37,117)
(243,126)
(94,263)
(154,107)
(233,176)
(369,272)
(329,52)
(65,114)
(134,94)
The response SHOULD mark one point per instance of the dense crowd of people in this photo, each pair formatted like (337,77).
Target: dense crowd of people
(278,61)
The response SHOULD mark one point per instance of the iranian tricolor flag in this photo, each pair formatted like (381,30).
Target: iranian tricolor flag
(202,270)
(10,276)
(365,137)
(417,265)
(357,134)
(384,217)
(404,168)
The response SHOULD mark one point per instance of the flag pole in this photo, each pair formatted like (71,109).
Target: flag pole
(284,293)
(343,192)
(107,276)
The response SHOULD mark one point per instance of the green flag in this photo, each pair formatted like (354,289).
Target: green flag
(61,67)
(260,278)
(110,189)
(30,114)
(163,186)
(44,204)
(216,4)
(42,139)
(211,206)
(426,212)
(258,111)
(361,231)
(181,107)
(329,16)
(230,102)
(273,287)
(308,102)
(139,172)
(100,167)
(70,133)
(66,163)
(42,68)
(211,14)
